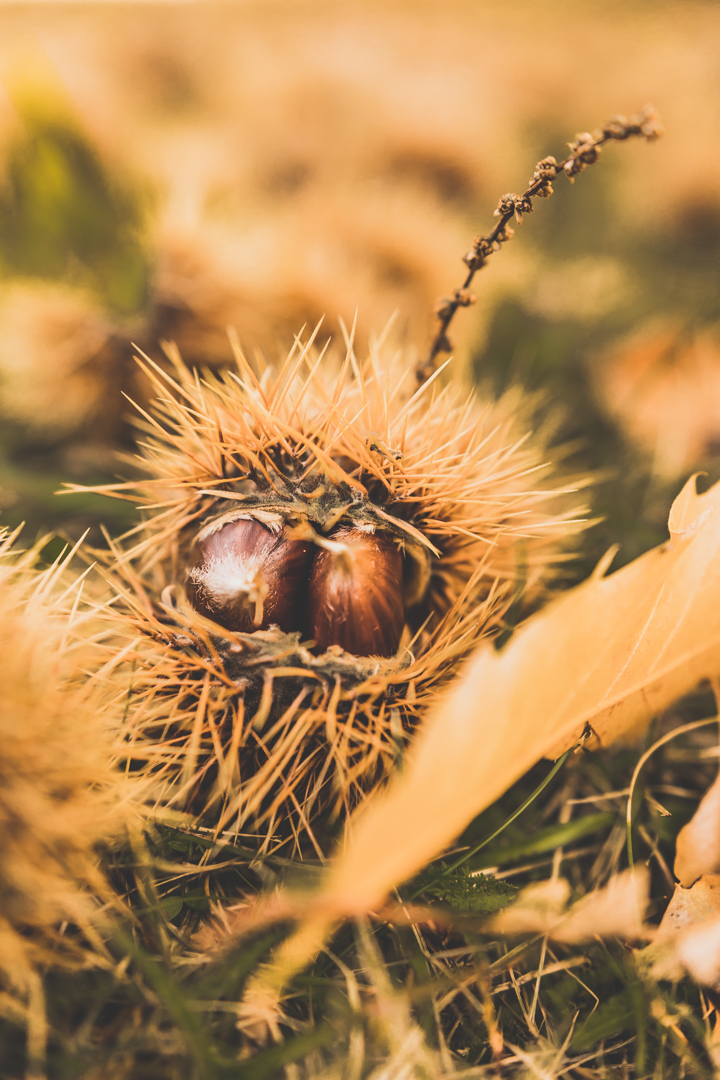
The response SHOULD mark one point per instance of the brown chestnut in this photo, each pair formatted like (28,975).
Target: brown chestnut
(247,576)
(355,598)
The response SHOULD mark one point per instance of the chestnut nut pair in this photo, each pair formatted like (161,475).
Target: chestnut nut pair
(247,576)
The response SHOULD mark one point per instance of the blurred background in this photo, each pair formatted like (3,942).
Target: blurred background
(169,170)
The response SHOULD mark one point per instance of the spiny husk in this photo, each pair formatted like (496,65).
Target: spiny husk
(254,730)
(60,800)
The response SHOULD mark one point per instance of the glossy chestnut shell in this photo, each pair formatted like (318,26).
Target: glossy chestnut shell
(355,597)
(247,577)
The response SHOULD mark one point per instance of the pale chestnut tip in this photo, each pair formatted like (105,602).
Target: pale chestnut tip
(247,577)
(355,596)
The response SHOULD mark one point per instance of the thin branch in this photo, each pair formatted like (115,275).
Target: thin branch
(584,151)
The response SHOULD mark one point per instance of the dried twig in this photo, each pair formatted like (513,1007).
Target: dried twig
(584,150)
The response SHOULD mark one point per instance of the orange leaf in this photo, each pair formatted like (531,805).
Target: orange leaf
(607,655)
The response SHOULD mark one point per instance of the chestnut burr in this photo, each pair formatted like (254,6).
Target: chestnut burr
(246,577)
(355,597)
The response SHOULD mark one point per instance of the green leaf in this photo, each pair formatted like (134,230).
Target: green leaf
(171,905)
(547,840)
(611,1018)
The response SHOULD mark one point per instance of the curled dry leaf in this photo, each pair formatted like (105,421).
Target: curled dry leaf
(698,950)
(539,909)
(616,910)
(662,386)
(606,656)
(698,842)
(688,938)
(689,907)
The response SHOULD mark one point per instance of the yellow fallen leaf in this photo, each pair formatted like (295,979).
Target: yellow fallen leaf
(538,909)
(698,950)
(690,907)
(698,843)
(606,656)
(688,938)
(617,910)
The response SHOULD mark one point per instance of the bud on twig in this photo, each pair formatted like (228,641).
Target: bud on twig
(584,151)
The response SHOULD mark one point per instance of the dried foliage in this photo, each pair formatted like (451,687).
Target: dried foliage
(533,1000)
(687,940)
(698,843)
(615,911)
